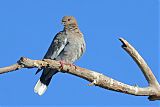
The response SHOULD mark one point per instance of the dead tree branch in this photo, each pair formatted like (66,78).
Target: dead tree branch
(98,79)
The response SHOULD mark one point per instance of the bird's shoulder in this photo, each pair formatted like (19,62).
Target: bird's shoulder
(60,34)
(57,45)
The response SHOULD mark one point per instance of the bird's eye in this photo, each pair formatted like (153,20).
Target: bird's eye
(69,19)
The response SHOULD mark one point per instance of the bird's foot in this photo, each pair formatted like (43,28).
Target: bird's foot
(62,64)
(72,65)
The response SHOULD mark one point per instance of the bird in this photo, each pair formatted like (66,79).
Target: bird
(67,46)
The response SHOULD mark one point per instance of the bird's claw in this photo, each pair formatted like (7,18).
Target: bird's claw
(62,64)
(74,66)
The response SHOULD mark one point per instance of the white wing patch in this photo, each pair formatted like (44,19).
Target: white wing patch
(58,51)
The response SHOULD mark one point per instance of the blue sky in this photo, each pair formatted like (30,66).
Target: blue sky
(27,28)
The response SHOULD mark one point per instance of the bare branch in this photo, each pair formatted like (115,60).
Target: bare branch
(9,68)
(151,79)
(92,76)
(141,63)
(96,78)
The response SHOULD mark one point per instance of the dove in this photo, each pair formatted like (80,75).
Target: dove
(67,46)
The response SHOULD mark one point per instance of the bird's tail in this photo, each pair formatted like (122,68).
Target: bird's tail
(43,82)
(40,88)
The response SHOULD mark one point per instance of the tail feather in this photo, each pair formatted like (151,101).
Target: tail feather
(44,81)
(40,88)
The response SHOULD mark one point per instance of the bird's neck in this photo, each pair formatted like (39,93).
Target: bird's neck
(71,27)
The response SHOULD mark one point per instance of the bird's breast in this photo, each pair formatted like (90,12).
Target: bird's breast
(72,51)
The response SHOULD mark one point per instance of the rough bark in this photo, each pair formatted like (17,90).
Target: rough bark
(98,79)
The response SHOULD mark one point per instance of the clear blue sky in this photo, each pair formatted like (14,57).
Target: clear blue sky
(27,28)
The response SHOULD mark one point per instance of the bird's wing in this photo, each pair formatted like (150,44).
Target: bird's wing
(56,47)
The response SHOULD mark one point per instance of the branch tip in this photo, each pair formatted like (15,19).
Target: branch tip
(93,83)
(153,98)
(124,42)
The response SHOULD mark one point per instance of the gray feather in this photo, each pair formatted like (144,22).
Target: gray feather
(68,45)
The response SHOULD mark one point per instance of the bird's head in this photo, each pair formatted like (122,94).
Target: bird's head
(69,21)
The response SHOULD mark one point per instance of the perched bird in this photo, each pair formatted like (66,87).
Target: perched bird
(68,45)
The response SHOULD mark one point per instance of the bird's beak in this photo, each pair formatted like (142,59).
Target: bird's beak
(63,22)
